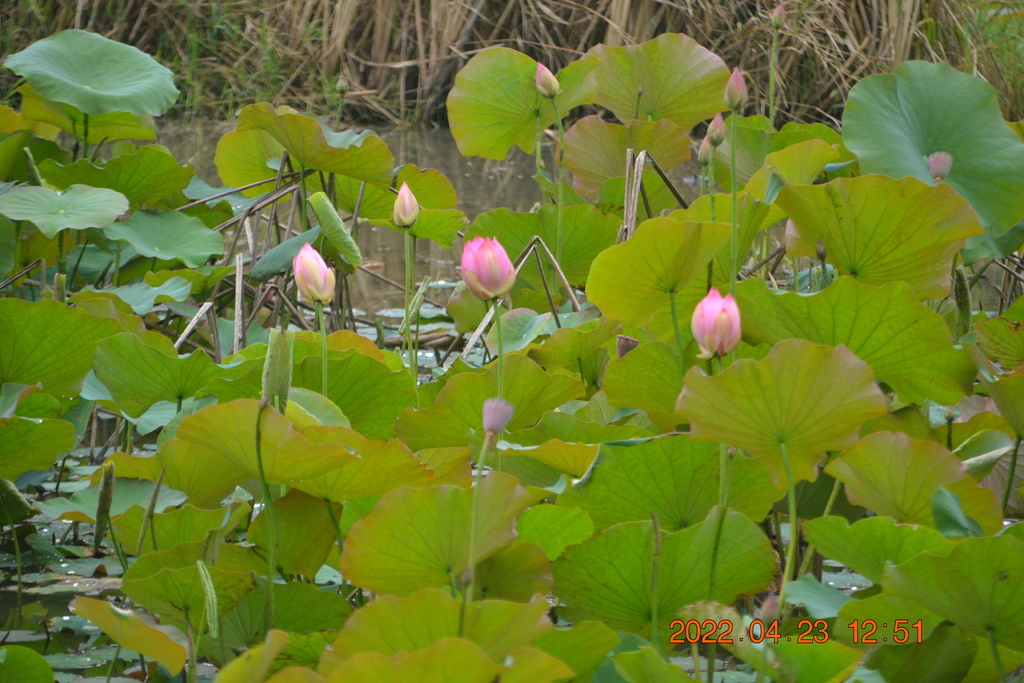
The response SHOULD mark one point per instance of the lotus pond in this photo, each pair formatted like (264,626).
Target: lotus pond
(225,460)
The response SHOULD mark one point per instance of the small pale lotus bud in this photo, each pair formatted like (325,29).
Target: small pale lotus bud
(779,16)
(716,325)
(314,280)
(624,345)
(277,368)
(736,91)
(769,607)
(406,209)
(547,84)
(497,415)
(716,130)
(950,415)
(705,153)
(962,300)
(939,164)
(820,251)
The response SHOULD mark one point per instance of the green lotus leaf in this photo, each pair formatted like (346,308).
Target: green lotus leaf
(584,647)
(568,346)
(419,538)
(81,506)
(12,158)
(635,280)
(338,241)
(244,157)
(431,188)
(120,125)
(230,430)
(135,631)
(458,410)
(167,583)
(975,586)
(674,477)
(450,659)
(254,664)
(494,104)
(879,230)
(203,280)
(804,397)
(142,298)
(48,343)
(821,601)
(646,378)
(896,476)
(187,524)
(439,225)
(670,77)
(595,148)
(517,572)
(278,260)
(608,577)
(1007,391)
(647,665)
(611,198)
(19,663)
(305,532)
(886,608)
(799,164)
(77,208)
(906,344)
(554,528)
(144,177)
(1002,340)
(168,235)
(95,74)
(586,232)
(893,122)
(866,546)
(755,141)
(201,473)
(945,657)
(32,444)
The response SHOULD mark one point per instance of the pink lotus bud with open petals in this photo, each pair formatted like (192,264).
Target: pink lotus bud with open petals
(314,280)
(716,130)
(547,84)
(939,165)
(406,209)
(716,325)
(486,268)
(736,91)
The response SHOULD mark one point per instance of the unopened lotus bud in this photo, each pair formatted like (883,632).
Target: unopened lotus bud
(547,84)
(736,91)
(769,607)
(497,415)
(778,16)
(406,209)
(716,325)
(314,280)
(939,165)
(950,415)
(487,269)
(104,500)
(821,252)
(962,299)
(31,170)
(716,130)
(624,345)
(60,288)
(277,369)
(705,153)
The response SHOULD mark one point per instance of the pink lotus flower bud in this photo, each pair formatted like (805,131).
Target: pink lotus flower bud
(778,16)
(497,415)
(313,279)
(939,165)
(736,91)
(547,84)
(716,130)
(406,209)
(706,152)
(486,268)
(716,325)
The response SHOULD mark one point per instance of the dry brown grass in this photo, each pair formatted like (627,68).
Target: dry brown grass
(394,60)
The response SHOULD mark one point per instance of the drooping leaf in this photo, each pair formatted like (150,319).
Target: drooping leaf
(305,532)
(77,208)
(135,631)
(169,235)
(336,236)
(803,396)
(279,259)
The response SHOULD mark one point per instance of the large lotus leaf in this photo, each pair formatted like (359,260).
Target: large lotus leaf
(753,216)
(458,409)
(203,280)
(896,476)
(244,157)
(439,225)
(48,343)
(420,538)
(450,659)
(755,141)
(867,545)
(977,586)
(187,524)
(646,378)
(905,343)
(142,298)
(516,572)
(584,647)
(595,149)
(672,476)
(32,444)
(12,120)
(803,396)
(944,657)
(135,631)
(230,430)
(586,232)
(305,532)
(20,664)
(670,77)
(495,105)
(798,164)
(139,375)
(1007,391)
(81,506)
(879,230)
(554,527)
(168,235)
(95,74)
(363,156)
(254,664)
(1002,340)
(120,125)
(634,280)
(145,176)
(168,583)
(893,122)
(609,576)
(647,665)
(570,345)
(77,208)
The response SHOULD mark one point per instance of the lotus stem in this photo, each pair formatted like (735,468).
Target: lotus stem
(794,524)
(1010,475)
(85,136)
(805,565)
(467,591)
(733,244)
(655,568)
(711,201)
(537,160)
(322,324)
(679,336)
(995,654)
(408,303)
(501,344)
(772,68)
(561,178)
(268,504)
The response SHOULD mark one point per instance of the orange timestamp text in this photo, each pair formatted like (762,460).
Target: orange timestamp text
(723,631)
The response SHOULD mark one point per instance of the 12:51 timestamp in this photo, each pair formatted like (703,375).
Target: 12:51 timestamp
(867,631)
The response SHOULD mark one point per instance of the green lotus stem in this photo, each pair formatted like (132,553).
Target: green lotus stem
(805,565)
(408,303)
(116,277)
(85,136)
(995,654)
(268,503)
(695,654)
(478,474)
(501,344)
(711,200)
(679,336)
(655,568)
(113,661)
(302,198)
(733,244)
(334,522)
(1010,475)
(794,524)
(724,483)
(772,67)
(561,179)
(61,266)
(322,323)
(17,558)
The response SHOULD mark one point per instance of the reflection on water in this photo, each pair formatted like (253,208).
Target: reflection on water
(480,184)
